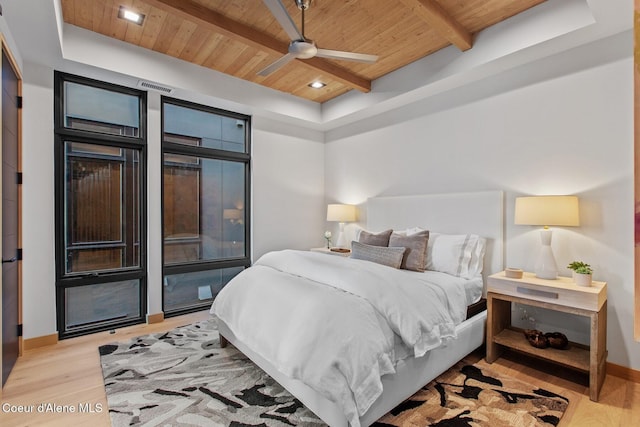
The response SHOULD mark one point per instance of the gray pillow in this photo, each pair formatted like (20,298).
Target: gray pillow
(415,256)
(377,239)
(391,257)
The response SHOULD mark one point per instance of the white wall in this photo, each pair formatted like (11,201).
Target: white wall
(288,193)
(571,134)
(10,42)
(38,268)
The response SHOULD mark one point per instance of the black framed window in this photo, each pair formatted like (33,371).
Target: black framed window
(205,202)
(100,152)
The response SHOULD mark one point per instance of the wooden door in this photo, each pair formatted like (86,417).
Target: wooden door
(11,252)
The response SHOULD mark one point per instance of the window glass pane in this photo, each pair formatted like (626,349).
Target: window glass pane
(90,259)
(92,305)
(188,126)
(101,208)
(203,209)
(182,291)
(100,110)
(78,147)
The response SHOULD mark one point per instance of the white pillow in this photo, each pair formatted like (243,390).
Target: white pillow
(460,255)
(477,258)
(412,231)
(351,233)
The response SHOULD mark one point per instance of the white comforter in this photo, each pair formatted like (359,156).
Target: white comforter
(331,321)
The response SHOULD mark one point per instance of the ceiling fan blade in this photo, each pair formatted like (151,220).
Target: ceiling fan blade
(275,65)
(349,56)
(282,16)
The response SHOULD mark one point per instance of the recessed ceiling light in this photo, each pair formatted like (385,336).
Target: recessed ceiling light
(317,85)
(130,15)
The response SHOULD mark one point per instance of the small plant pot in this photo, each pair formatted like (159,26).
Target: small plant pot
(582,279)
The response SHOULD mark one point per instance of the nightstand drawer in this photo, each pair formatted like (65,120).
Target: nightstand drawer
(562,291)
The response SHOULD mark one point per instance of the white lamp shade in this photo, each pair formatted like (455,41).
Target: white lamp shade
(341,213)
(547,210)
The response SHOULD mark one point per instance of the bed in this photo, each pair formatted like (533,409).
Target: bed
(400,362)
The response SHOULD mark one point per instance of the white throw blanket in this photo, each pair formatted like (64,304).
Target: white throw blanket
(330,321)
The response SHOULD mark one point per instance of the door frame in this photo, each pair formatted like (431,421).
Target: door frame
(4,48)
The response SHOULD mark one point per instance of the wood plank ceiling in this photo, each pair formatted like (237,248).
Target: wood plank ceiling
(241,37)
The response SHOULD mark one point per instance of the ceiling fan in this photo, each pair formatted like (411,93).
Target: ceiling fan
(301,47)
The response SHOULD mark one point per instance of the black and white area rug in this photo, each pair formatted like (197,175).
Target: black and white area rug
(183,378)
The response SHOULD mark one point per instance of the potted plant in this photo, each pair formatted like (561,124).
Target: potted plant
(582,273)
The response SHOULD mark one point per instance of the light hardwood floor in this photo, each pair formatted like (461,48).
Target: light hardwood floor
(68,374)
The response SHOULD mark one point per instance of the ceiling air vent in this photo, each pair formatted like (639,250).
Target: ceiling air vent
(155,86)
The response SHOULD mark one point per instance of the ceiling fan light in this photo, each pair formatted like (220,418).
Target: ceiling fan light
(303,49)
(317,84)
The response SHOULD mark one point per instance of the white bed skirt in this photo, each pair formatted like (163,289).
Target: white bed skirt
(411,374)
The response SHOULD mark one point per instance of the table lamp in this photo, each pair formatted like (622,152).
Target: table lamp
(546,211)
(341,213)
(233,215)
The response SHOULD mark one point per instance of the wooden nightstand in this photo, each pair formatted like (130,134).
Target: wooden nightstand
(329,251)
(561,295)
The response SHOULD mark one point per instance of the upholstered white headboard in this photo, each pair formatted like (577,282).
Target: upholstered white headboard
(480,213)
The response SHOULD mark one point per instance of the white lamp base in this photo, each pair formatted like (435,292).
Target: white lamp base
(546,267)
(341,242)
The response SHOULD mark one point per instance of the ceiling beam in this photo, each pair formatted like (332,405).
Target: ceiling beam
(197,13)
(439,19)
